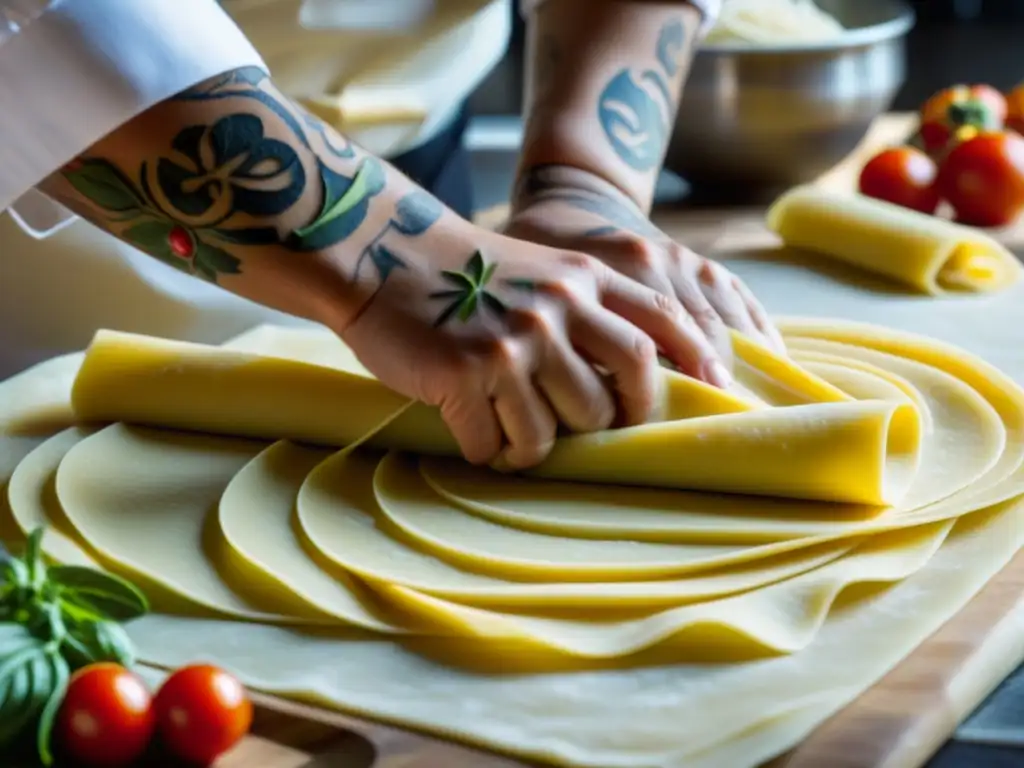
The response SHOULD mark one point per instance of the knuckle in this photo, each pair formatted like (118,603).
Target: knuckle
(578,262)
(682,253)
(534,321)
(642,351)
(706,317)
(600,414)
(461,363)
(640,254)
(563,290)
(526,455)
(711,273)
(667,305)
(676,256)
(504,354)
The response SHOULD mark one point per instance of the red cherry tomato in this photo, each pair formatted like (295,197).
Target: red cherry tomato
(1015,109)
(202,712)
(983,179)
(904,176)
(106,718)
(978,106)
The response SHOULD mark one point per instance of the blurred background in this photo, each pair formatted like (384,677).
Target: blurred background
(952,41)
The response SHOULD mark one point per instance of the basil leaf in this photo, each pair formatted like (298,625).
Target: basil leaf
(61,673)
(14,637)
(52,623)
(34,558)
(94,641)
(116,643)
(13,713)
(15,658)
(77,652)
(15,572)
(104,595)
(30,687)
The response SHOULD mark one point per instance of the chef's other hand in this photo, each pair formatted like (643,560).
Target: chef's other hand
(568,208)
(509,339)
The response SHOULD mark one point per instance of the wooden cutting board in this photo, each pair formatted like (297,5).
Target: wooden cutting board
(898,723)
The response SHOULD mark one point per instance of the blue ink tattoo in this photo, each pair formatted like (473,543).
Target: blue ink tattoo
(633,121)
(671,43)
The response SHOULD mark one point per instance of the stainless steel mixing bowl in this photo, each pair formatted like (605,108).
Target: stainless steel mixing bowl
(756,120)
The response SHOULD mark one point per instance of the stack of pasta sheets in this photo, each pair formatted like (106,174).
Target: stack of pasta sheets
(699,591)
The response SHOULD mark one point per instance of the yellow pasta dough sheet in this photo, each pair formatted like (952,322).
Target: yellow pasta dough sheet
(699,591)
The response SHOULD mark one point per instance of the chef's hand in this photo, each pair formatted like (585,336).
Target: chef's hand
(504,337)
(567,208)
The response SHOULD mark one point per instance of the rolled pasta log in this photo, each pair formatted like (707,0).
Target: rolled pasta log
(928,253)
(829,448)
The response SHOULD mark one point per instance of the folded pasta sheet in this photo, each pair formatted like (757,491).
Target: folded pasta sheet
(925,252)
(825,447)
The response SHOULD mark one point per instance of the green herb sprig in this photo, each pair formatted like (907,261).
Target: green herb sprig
(54,620)
(470,291)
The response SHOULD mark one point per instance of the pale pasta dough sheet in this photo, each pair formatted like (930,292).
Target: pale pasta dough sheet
(783,609)
(666,716)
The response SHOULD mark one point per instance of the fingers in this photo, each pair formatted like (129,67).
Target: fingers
(716,283)
(760,316)
(574,389)
(474,425)
(627,354)
(529,425)
(735,304)
(687,289)
(663,319)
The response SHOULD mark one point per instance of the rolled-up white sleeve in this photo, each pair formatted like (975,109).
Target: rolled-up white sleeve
(79,69)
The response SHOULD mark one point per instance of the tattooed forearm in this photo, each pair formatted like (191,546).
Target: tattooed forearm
(227,184)
(636,109)
(582,191)
(414,214)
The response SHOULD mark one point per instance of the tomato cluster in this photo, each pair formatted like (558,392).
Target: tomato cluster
(971,156)
(108,718)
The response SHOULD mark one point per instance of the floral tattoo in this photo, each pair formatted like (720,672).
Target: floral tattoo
(220,186)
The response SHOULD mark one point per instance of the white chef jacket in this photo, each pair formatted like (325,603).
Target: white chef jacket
(73,70)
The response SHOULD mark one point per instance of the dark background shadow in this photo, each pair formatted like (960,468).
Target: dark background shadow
(954,40)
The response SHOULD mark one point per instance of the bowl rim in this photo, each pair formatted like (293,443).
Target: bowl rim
(896,27)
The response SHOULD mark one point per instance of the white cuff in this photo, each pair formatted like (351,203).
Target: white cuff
(40,216)
(86,67)
(710,10)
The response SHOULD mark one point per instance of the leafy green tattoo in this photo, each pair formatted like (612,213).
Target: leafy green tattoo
(345,205)
(189,248)
(184,207)
(470,291)
(636,110)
